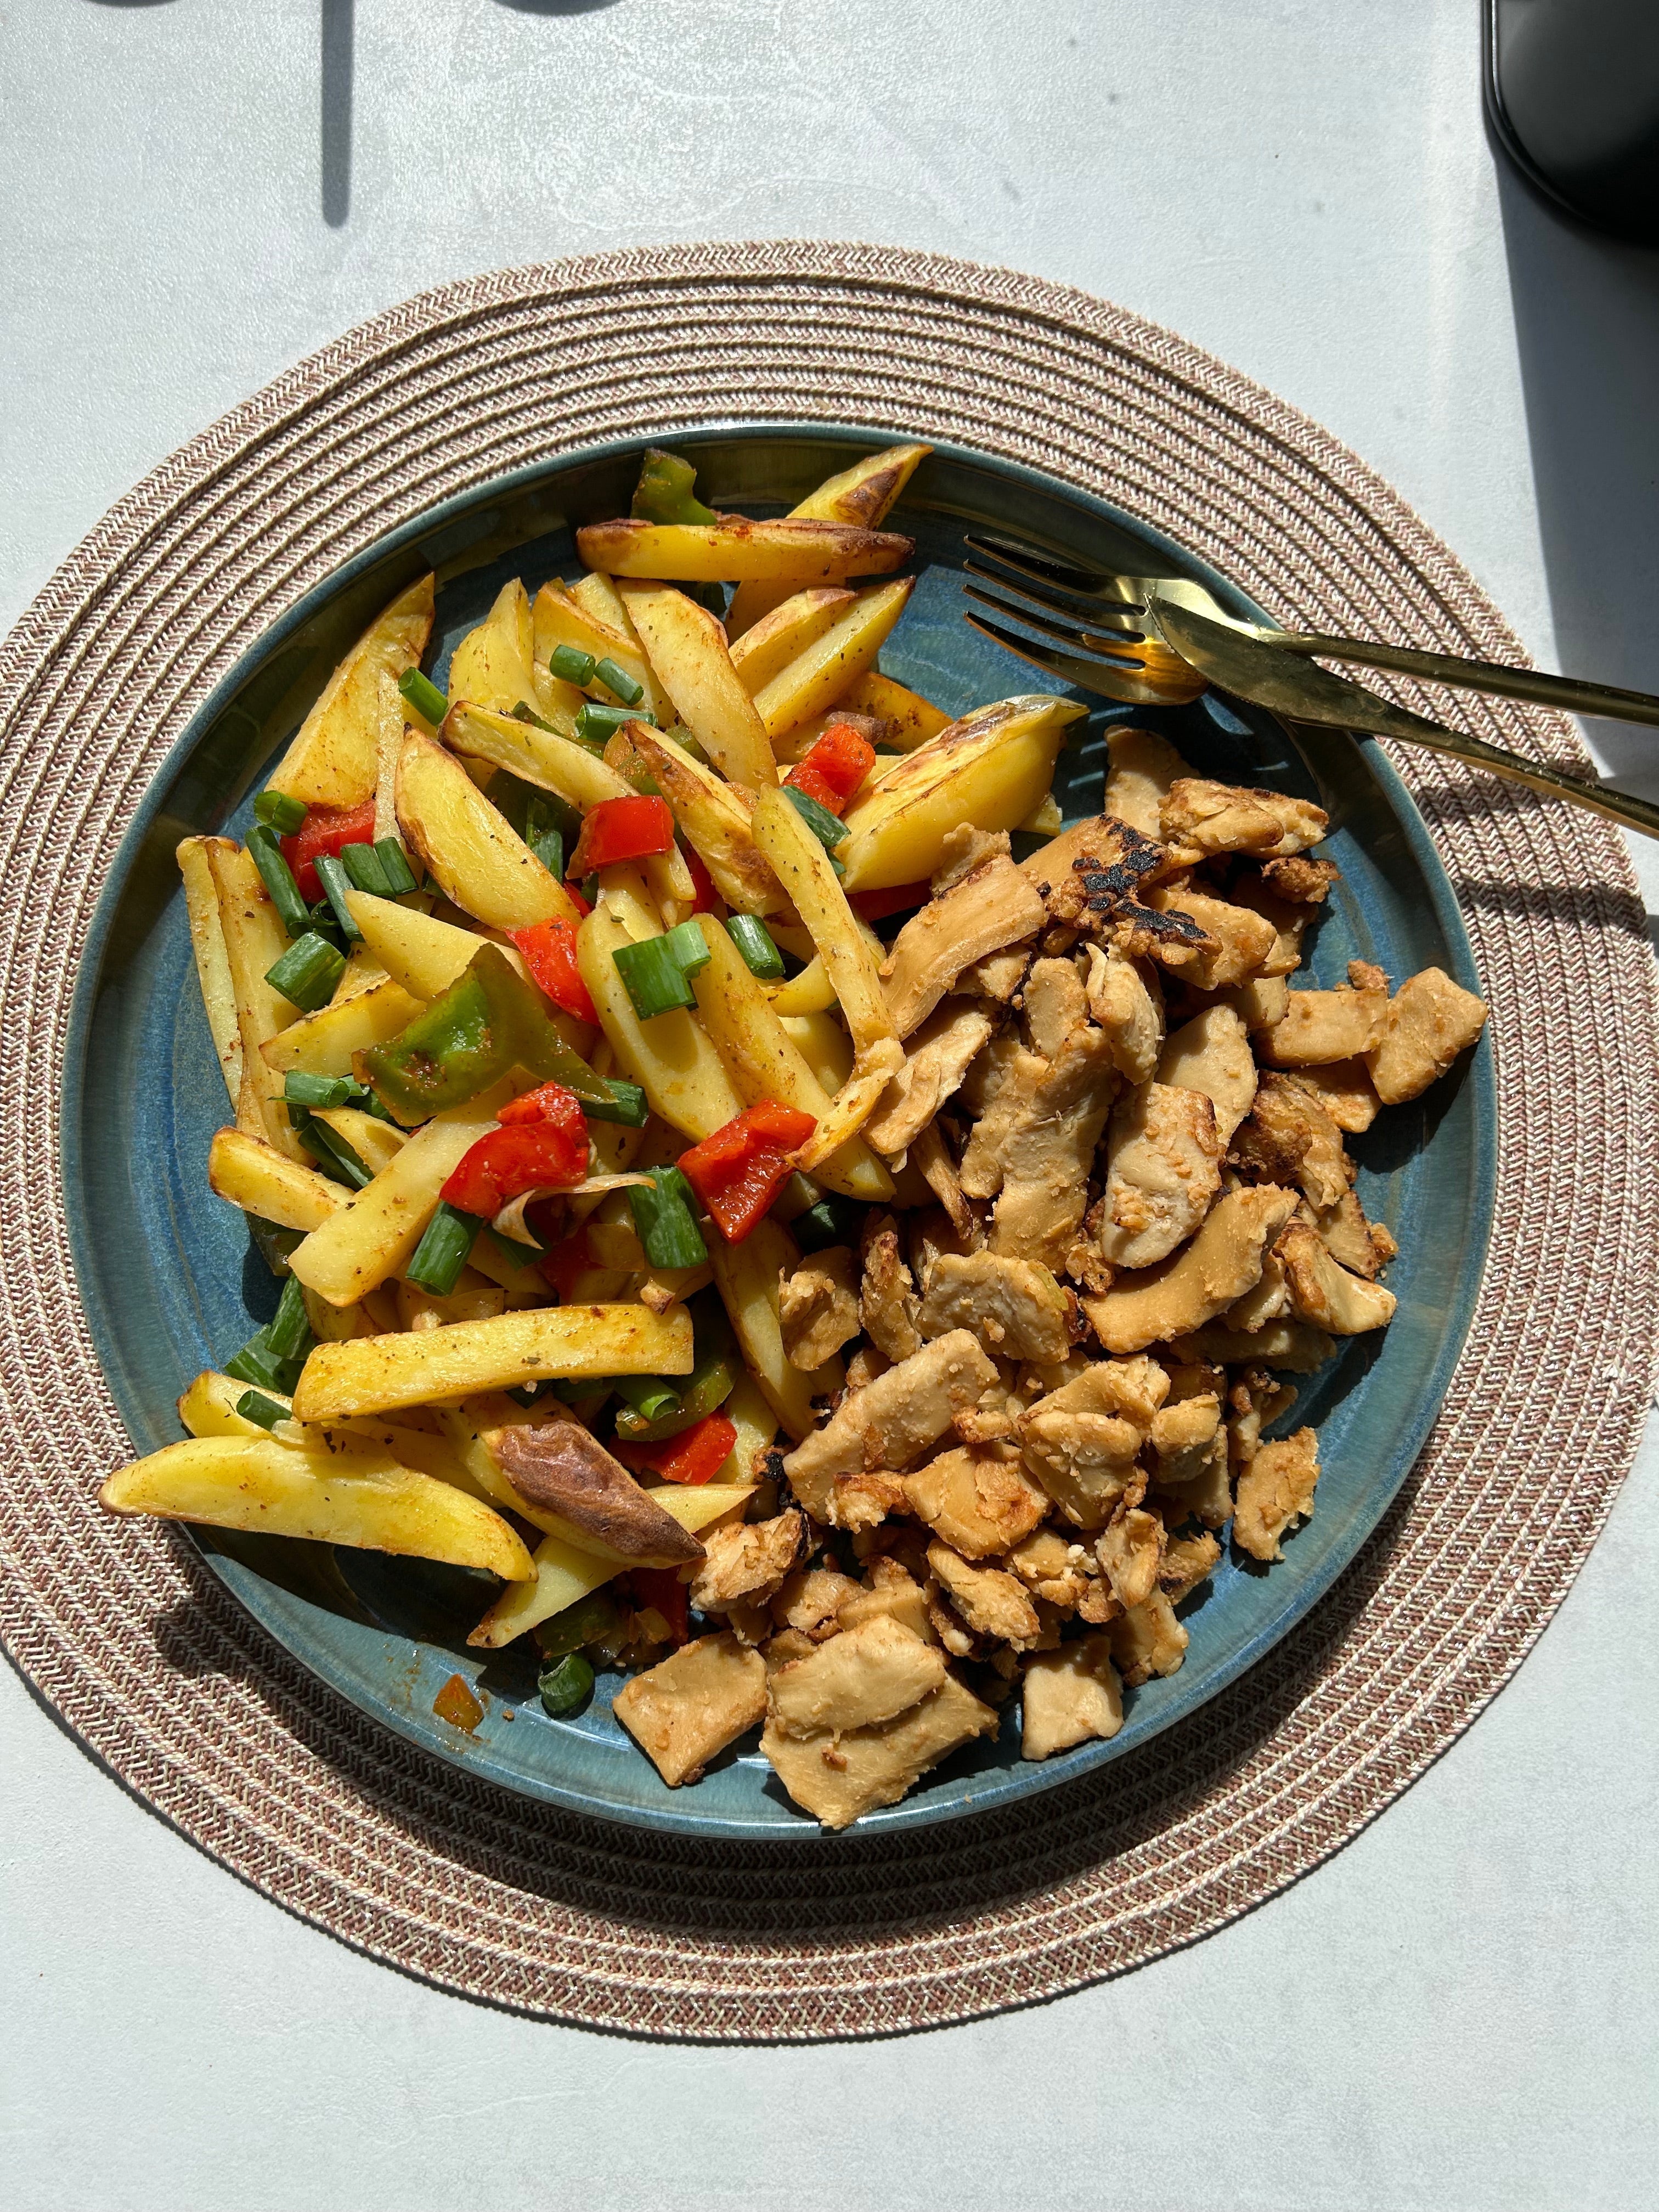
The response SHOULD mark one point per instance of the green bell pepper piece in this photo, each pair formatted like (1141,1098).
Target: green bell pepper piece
(664,492)
(489,1021)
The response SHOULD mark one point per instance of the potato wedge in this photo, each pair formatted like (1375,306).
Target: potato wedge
(393,716)
(376,1143)
(563,1574)
(378,1374)
(373,1235)
(588,1494)
(823,1045)
(764,1061)
(803,868)
(756,1424)
(746,1276)
(811,991)
(991,769)
(208,1407)
(495,666)
(766,650)
(596,595)
(911,719)
(671,1057)
(735,550)
(861,496)
(256,1176)
(687,648)
(710,814)
(480,863)
(255,941)
(333,759)
(818,675)
(421,954)
(367,1501)
(561,618)
(207,942)
(322,1043)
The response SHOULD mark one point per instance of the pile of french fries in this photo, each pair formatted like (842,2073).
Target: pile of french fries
(381,1442)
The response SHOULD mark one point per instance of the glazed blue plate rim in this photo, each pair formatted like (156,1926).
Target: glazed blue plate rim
(1020,1780)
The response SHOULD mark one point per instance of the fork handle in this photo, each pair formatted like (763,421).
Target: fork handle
(1492,676)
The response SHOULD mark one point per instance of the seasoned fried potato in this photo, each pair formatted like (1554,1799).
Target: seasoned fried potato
(860,495)
(560,617)
(910,719)
(736,550)
(687,648)
(254,941)
(766,650)
(332,761)
(711,815)
(256,1176)
(323,1044)
(478,861)
(747,1276)
(819,673)
(493,666)
(671,1057)
(207,942)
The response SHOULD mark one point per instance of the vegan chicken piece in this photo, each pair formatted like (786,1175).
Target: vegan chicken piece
(746,1564)
(1322,1026)
(977,1498)
(1288,1138)
(984,911)
(837,1777)
(1430,1021)
(1051,1567)
(1188,1561)
(1344,1088)
(686,1709)
(893,1421)
(1069,1696)
(1147,1640)
(1211,1053)
(990,1600)
(1032,1148)
(1236,943)
(891,1593)
(1162,1169)
(1121,1001)
(1275,1490)
(810,1600)
(1201,1281)
(1324,1293)
(936,1060)
(858,1679)
(887,1296)
(819,1307)
(1014,1307)
(1082,1441)
(1198,820)
(1130,1550)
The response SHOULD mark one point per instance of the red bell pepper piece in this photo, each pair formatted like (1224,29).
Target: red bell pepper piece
(549,1102)
(707,899)
(661,1588)
(620,829)
(326,829)
(737,1172)
(696,1454)
(548,1152)
(832,769)
(549,953)
(876,906)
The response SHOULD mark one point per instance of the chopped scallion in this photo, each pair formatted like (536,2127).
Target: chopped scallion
(302,1089)
(689,946)
(307,972)
(829,829)
(332,1152)
(564,1686)
(254,1406)
(424,696)
(754,940)
(394,866)
(332,875)
(570,665)
(831,1221)
(596,725)
(655,980)
(256,1362)
(626,1104)
(646,1394)
(523,712)
(362,864)
(666,1224)
(619,681)
(280,812)
(444,1250)
(288,1332)
(278,879)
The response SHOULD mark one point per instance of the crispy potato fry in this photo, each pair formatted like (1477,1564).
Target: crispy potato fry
(861,496)
(803,868)
(390,725)
(563,1574)
(322,1043)
(687,650)
(911,719)
(376,1143)
(255,941)
(373,1235)
(991,769)
(823,1045)
(560,618)
(365,1501)
(254,1176)
(597,595)
(361,973)
(207,942)
(421,954)
(811,991)
(817,676)
(479,861)
(735,550)
(671,1056)
(747,1275)
(756,1424)
(333,760)
(495,666)
(378,1374)
(208,1407)
(710,814)
(764,1061)
(766,650)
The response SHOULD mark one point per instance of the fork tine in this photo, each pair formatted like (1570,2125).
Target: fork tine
(1037,567)
(1094,676)
(1118,614)
(1118,649)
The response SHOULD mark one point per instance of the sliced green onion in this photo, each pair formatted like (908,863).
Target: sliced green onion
(831,1221)
(647,784)
(288,1332)
(571,666)
(362,864)
(280,812)
(656,981)
(689,946)
(300,1088)
(332,875)
(332,1153)
(626,1104)
(523,712)
(424,696)
(666,1224)
(619,681)
(256,1364)
(649,1394)
(591,888)
(829,829)
(278,879)
(596,725)
(584,1622)
(444,1250)
(754,940)
(565,1685)
(394,866)
(549,849)
(254,1406)
(307,972)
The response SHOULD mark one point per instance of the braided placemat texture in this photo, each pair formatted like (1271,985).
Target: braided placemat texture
(157,1670)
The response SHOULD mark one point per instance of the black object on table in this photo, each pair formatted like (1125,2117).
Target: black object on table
(1572,87)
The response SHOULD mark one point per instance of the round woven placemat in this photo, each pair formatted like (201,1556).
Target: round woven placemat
(155,1668)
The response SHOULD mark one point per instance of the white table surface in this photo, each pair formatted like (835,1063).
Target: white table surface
(1458,2011)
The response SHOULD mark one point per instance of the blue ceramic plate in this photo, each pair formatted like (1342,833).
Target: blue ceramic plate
(171,1283)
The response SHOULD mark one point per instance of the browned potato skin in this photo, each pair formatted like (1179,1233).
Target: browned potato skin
(559,1467)
(737,550)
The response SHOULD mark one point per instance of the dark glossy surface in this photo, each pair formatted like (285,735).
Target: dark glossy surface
(171,1283)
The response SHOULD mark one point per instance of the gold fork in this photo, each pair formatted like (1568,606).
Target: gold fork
(1161,641)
